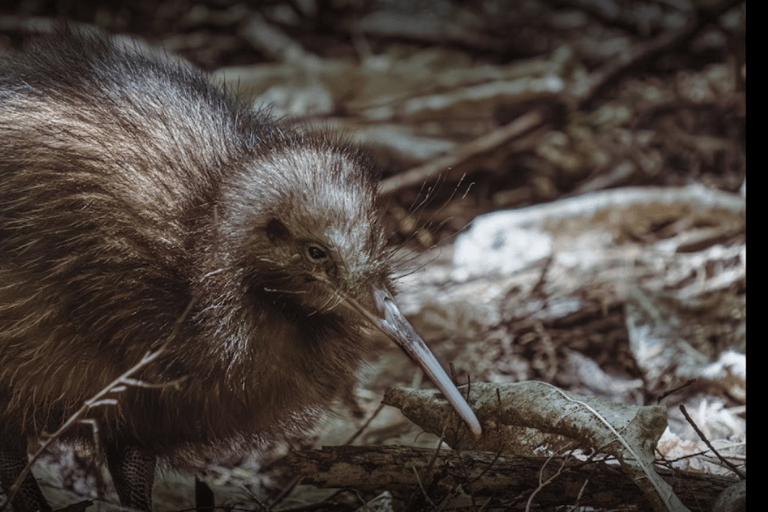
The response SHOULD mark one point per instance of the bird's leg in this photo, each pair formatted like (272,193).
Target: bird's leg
(13,459)
(133,473)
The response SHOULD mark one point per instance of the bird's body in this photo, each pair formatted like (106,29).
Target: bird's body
(130,189)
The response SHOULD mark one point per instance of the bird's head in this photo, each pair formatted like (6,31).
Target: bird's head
(304,228)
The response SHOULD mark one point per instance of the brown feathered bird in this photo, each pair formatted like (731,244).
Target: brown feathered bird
(130,188)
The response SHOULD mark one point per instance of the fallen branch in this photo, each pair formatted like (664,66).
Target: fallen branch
(487,475)
(630,433)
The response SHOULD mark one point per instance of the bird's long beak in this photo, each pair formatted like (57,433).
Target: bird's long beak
(393,324)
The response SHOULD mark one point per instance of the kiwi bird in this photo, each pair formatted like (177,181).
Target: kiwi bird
(132,188)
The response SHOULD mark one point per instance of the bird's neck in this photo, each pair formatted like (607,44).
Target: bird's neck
(267,341)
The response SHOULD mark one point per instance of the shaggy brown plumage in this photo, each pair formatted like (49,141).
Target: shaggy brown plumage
(130,187)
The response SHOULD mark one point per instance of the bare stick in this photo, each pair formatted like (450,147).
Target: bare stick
(725,461)
(481,145)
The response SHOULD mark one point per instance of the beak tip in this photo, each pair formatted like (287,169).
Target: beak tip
(473,424)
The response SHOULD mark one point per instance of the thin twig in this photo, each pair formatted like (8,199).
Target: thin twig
(118,385)
(725,461)
(542,485)
(423,490)
(675,390)
(288,489)
(365,425)
(481,145)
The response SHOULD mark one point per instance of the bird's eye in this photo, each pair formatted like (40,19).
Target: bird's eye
(316,254)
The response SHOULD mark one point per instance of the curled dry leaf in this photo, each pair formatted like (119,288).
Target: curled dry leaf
(628,432)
